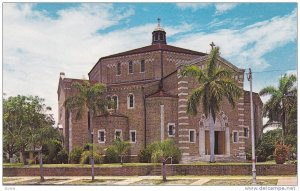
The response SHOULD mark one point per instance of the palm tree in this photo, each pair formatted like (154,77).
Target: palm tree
(121,147)
(215,83)
(89,97)
(163,151)
(281,102)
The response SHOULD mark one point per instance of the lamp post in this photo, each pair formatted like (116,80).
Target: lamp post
(249,76)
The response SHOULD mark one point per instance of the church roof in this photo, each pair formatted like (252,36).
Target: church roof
(156,47)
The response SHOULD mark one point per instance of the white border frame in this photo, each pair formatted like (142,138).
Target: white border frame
(234,131)
(128,101)
(101,130)
(121,136)
(130,137)
(190,130)
(174,129)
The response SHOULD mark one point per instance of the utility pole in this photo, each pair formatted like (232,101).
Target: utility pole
(252,130)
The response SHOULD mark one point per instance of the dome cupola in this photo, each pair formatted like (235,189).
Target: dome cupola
(159,34)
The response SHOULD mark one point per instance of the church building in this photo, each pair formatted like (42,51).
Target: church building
(151,101)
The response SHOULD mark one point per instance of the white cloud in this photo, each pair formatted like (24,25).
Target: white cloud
(224,7)
(193,6)
(36,47)
(220,8)
(246,47)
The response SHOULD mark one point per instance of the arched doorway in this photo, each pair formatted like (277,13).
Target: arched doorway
(222,136)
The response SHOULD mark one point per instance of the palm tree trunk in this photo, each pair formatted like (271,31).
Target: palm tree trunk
(164,171)
(212,138)
(92,141)
(41,166)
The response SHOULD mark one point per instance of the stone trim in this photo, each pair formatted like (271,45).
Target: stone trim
(183,94)
(181,111)
(182,82)
(183,117)
(185,100)
(183,88)
(183,123)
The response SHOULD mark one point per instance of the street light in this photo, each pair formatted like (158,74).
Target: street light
(249,77)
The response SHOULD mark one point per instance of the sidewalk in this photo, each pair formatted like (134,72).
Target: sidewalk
(129,180)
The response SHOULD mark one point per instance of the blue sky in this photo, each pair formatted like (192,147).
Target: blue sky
(41,40)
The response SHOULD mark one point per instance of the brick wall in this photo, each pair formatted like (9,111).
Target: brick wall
(221,170)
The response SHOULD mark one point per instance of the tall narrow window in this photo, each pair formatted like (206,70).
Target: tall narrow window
(192,136)
(109,105)
(130,68)
(118,134)
(119,69)
(142,65)
(101,136)
(161,36)
(171,129)
(133,136)
(246,132)
(235,137)
(115,102)
(130,101)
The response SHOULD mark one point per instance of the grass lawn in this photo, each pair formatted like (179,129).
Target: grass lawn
(177,182)
(8,179)
(35,181)
(97,181)
(240,182)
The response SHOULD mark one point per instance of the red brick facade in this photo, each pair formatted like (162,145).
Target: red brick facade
(159,96)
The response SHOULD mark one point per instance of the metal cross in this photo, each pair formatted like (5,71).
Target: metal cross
(212,45)
(158,21)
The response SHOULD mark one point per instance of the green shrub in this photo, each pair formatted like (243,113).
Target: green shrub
(281,153)
(111,155)
(62,156)
(85,157)
(166,149)
(145,155)
(261,154)
(75,155)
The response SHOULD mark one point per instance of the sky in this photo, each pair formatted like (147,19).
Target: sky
(40,40)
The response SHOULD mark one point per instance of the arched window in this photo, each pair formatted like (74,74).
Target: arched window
(119,69)
(115,102)
(161,36)
(156,36)
(130,67)
(130,101)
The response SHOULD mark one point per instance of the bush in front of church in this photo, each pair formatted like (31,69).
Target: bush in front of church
(75,155)
(86,155)
(111,155)
(146,154)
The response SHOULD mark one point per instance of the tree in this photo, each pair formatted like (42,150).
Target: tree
(23,117)
(162,151)
(215,83)
(89,97)
(121,147)
(282,102)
